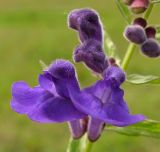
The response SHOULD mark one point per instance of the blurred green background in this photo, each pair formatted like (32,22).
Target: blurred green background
(33,30)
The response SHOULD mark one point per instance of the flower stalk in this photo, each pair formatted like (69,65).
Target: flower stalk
(73,145)
(86,144)
(128,56)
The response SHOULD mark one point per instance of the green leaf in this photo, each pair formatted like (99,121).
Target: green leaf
(141,79)
(73,145)
(149,128)
(111,48)
(43,65)
(124,11)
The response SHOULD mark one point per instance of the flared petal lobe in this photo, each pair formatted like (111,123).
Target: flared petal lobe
(24,97)
(41,105)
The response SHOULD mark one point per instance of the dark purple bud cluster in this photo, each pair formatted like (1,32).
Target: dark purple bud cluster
(137,6)
(87,23)
(144,36)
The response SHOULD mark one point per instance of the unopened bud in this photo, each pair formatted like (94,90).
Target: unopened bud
(139,6)
(140,21)
(151,48)
(150,32)
(87,23)
(135,34)
(91,53)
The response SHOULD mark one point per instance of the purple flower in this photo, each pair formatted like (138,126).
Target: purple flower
(87,23)
(46,103)
(103,101)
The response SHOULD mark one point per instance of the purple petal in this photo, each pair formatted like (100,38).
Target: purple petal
(46,82)
(61,71)
(55,109)
(117,110)
(113,111)
(104,101)
(41,105)
(24,97)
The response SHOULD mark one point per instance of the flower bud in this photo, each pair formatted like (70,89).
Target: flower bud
(87,23)
(127,2)
(135,34)
(139,6)
(140,21)
(151,48)
(91,53)
(150,32)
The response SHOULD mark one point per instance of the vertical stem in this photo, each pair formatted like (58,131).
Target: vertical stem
(128,56)
(88,146)
(73,145)
(149,10)
(85,145)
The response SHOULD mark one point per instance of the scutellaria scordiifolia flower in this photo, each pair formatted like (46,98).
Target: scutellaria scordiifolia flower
(90,51)
(46,103)
(103,101)
(59,98)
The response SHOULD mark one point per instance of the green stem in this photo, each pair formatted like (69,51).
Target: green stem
(132,46)
(85,145)
(149,10)
(88,146)
(128,56)
(73,145)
